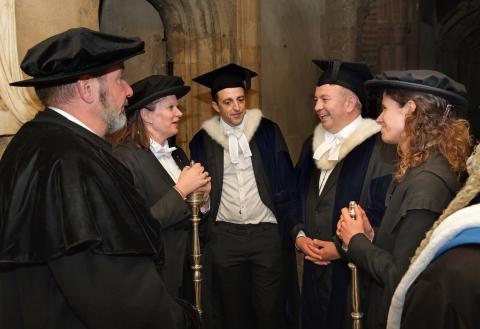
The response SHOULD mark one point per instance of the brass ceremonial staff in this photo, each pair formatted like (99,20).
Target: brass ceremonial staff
(356,313)
(195,200)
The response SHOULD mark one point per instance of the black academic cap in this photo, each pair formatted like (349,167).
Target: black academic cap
(154,87)
(346,74)
(80,51)
(427,81)
(228,76)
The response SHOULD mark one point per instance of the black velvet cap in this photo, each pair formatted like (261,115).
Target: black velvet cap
(80,51)
(427,81)
(349,75)
(228,76)
(152,88)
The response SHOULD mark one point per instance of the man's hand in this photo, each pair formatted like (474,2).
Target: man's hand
(316,251)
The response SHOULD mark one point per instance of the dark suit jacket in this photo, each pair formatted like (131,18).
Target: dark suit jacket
(166,205)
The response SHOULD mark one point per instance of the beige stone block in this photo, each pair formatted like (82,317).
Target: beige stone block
(37,20)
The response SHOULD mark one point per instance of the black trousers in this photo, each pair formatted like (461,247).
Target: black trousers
(248,276)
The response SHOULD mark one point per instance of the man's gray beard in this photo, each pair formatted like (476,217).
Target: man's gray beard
(114,122)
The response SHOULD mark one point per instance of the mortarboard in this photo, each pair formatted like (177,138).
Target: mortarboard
(228,76)
(346,74)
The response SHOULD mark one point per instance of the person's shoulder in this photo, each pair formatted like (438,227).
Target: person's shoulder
(198,137)
(127,151)
(435,168)
(451,265)
(266,123)
(48,138)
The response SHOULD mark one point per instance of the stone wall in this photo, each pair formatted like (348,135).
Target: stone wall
(292,34)
(198,35)
(37,20)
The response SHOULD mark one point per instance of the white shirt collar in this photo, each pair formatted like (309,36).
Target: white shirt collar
(70,117)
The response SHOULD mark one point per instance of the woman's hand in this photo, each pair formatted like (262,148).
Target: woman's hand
(193,178)
(347,227)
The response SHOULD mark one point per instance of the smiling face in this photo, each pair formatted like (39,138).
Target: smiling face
(162,122)
(230,105)
(334,107)
(392,120)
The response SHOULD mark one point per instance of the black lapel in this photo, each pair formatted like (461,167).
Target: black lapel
(216,157)
(180,157)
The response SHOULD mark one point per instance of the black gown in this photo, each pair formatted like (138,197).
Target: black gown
(78,246)
(167,206)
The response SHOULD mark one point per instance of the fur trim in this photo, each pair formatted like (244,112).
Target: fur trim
(367,128)
(214,130)
(452,225)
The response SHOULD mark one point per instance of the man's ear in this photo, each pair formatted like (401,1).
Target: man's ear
(87,89)
(215,107)
(351,103)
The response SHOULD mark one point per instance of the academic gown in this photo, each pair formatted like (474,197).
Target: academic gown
(447,294)
(362,174)
(441,288)
(78,246)
(274,174)
(156,186)
(411,208)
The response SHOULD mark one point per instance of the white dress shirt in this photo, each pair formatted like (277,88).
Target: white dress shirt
(164,155)
(240,201)
(339,138)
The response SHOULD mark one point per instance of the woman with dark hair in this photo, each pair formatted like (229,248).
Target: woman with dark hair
(433,148)
(162,174)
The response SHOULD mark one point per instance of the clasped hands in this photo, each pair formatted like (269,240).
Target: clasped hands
(323,252)
(194,178)
(317,251)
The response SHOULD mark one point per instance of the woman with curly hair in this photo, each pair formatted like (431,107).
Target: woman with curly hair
(433,148)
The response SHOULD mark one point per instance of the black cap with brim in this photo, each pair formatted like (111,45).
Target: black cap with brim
(427,81)
(228,76)
(67,56)
(152,88)
(349,75)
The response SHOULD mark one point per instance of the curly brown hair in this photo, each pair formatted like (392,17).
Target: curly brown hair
(427,129)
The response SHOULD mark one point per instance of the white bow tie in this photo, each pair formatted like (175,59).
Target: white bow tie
(236,137)
(332,144)
(160,150)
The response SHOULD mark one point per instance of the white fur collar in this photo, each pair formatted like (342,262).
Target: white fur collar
(452,225)
(367,128)
(252,121)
